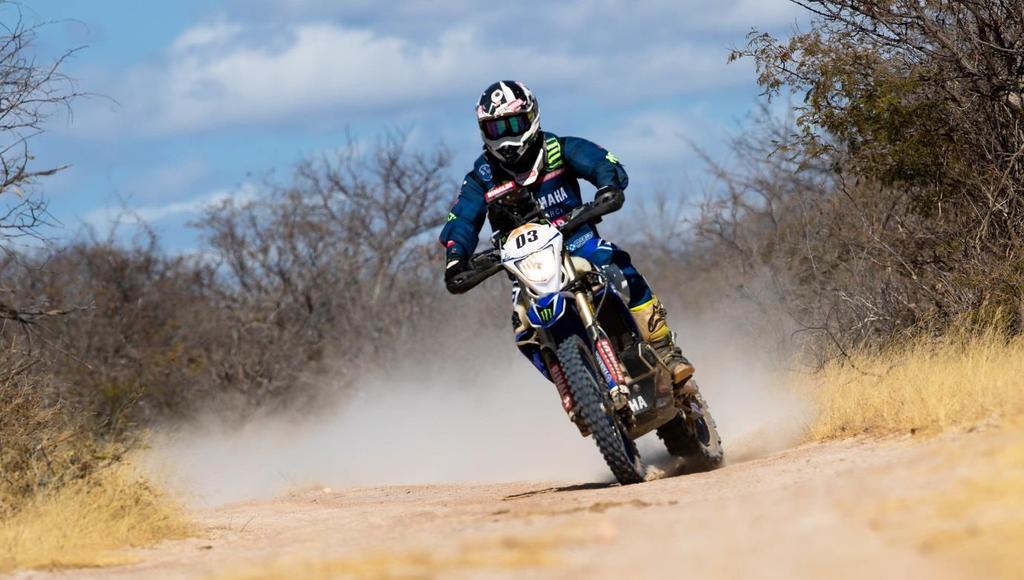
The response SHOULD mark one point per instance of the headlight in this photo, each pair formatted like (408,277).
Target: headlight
(539,266)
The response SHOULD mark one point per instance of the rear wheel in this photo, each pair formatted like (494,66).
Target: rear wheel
(594,408)
(693,435)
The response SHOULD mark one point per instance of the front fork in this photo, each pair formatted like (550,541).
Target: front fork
(611,366)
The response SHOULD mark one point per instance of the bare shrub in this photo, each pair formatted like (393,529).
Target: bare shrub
(141,344)
(341,259)
(333,272)
(30,92)
(891,204)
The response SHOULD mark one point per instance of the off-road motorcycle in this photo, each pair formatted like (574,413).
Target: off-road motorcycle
(613,384)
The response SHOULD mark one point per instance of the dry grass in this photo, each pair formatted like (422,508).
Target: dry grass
(67,495)
(85,522)
(931,386)
(927,386)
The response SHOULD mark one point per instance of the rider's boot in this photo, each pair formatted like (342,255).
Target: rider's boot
(650,318)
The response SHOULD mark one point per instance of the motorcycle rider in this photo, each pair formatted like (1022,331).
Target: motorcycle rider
(522,168)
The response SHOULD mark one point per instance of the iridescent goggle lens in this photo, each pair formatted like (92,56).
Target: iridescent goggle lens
(510,126)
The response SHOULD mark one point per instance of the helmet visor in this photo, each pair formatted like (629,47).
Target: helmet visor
(510,126)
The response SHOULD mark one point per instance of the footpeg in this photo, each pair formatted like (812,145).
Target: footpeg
(620,396)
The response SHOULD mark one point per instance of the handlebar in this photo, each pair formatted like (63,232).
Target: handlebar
(485,264)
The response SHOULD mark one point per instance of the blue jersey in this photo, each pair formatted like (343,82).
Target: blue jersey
(556,190)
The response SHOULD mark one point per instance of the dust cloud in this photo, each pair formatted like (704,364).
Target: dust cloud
(752,396)
(497,420)
(487,418)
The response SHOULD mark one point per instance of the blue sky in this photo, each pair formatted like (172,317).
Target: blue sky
(207,97)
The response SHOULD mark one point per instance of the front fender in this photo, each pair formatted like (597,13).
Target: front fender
(546,311)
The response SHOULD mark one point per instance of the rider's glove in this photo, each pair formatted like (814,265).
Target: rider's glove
(454,266)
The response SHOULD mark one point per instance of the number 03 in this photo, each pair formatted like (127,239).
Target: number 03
(526,238)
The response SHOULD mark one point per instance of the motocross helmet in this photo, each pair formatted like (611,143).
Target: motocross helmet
(509,120)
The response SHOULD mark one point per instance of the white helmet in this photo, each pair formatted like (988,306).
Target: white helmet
(509,120)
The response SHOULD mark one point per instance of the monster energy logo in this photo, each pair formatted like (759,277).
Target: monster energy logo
(451,216)
(546,313)
(554,149)
(611,158)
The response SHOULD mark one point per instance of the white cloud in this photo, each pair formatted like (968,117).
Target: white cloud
(102,219)
(321,65)
(228,73)
(668,18)
(205,35)
(536,18)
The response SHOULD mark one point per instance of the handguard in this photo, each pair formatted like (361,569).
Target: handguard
(481,267)
(608,200)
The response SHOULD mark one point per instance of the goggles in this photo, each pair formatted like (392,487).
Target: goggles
(510,126)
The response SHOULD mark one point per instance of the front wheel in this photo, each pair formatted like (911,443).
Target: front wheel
(594,408)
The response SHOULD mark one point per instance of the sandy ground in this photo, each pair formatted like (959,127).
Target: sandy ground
(853,509)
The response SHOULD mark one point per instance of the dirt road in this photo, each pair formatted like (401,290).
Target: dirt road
(854,509)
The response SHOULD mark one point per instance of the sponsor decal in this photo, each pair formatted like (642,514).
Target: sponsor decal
(637,404)
(552,174)
(452,217)
(612,158)
(607,355)
(499,191)
(485,172)
(608,378)
(577,242)
(560,195)
(545,314)
(547,310)
(562,385)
